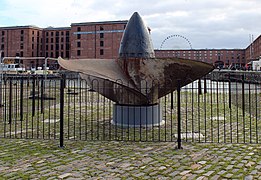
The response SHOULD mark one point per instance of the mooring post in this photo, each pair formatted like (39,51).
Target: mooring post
(62,110)
(179,114)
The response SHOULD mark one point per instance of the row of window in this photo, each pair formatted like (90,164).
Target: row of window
(57,33)
(198,52)
(67,39)
(37,39)
(79,44)
(200,57)
(101,36)
(57,46)
(80,29)
(67,54)
(101,52)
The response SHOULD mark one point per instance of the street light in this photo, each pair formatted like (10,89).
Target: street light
(45,65)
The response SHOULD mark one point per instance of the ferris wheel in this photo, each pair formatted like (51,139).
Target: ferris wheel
(176,41)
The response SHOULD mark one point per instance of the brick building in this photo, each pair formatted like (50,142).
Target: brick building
(218,57)
(100,40)
(81,40)
(96,39)
(21,41)
(253,51)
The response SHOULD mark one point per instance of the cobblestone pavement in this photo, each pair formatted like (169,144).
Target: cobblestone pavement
(43,159)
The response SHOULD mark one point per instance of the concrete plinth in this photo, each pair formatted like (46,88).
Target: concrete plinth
(137,116)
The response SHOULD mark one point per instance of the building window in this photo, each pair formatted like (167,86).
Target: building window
(51,40)
(57,39)
(47,34)
(51,47)
(22,46)
(62,54)
(61,46)
(3,33)
(67,47)
(78,52)
(2,47)
(21,54)
(46,54)
(32,32)
(33,39)
(78,44)
(101,52)
(3,54)
(3,39)
(32,46)
(67,39)
(101,35)
(101,43)
(46,40)
(62,39)
(67,33)
(46,47)
(56,54)
(56,46)
(67,54)
(51,54)
(22,31)
(101,28)
(51,33)
(32,54)
(78,36)
(22,38)
(78,28)
(57,33)
(62,33)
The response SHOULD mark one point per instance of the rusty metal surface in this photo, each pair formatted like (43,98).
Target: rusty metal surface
(137,77)
(100,68)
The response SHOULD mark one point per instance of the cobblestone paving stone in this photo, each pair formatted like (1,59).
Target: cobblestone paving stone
(43,159)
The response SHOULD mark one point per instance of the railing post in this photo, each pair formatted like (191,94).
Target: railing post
(21,98)
(243,105)
(229,91)
(199,87)
(62,81)
(205,85)
(179,114)
(10,100)
(42,95)
(33,96)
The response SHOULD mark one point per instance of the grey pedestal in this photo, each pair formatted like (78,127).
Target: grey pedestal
(137,116)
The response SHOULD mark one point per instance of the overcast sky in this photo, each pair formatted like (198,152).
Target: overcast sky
(204,23)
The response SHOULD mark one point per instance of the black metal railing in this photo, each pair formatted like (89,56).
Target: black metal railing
(216,108)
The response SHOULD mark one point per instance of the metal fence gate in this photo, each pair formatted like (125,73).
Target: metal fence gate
(221,107)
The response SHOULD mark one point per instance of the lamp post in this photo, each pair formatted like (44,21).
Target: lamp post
(45,65)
